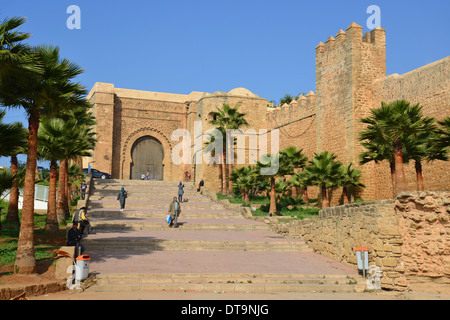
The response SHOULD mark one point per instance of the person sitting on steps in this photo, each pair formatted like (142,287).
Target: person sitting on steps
(81,219)
(73,239)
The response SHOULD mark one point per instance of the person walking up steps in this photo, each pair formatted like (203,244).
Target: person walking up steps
(174,211)
(121,197)
(180,192)
(200,185)
(83,190)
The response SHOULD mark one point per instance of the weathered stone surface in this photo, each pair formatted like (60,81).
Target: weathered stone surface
(410,243)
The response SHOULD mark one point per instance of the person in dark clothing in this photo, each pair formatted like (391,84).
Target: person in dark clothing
(74,238)
(83,190)
(180,192)
(121,197)
(200,185)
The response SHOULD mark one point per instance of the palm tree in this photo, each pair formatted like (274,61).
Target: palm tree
(299,180)
(6,180)
(400,126)
(75,176)
(349,178)
(16,58)
(281,187)
(288,160)
(424,147)
(325,172)
(11,135)
(12,217)
(43,94)
(228,118)
(286,99)
(294,159)
(406,121)
(78,140)
(377,144)
(51,147)
(444,134)
(266,162)
(235,175)
(212,146)
(245,180)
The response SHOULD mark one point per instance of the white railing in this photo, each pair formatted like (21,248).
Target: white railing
(40,193)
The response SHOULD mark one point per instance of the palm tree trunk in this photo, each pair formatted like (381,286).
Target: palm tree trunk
(345,194)
(273,200)
(230,183)
(229,168)
(392,166)
(60,213)
(220,176)
(12,217)
(294,192)
(25,261)
(67,190)
(305,195)
(400,180)
(51,226)
(419,175)
(224,172)
(325,202)
(246,197)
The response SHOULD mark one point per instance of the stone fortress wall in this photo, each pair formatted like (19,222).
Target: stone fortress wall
(350,80)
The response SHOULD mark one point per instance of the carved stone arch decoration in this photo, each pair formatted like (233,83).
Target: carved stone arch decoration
(128,145)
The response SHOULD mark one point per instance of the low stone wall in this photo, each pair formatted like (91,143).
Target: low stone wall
(340,230)
(408,239)
(424,223)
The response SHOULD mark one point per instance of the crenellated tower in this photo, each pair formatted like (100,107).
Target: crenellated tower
(346,67)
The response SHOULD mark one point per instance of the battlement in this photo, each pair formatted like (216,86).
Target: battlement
(298,109)
(352,36)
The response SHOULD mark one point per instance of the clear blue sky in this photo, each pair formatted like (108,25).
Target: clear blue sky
(180,46)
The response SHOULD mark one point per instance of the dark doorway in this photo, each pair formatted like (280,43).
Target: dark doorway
(147,156)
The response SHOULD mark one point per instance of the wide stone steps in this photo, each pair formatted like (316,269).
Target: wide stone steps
(148,197)
(183,224)
(125,183)
(191,245)
(138,190)
(212,250)
(161,213)
(225,282)
(133,204)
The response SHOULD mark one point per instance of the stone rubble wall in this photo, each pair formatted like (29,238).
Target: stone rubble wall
(425,228)
(407,238)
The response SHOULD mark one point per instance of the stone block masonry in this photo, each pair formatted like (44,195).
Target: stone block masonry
(350,81)
(424,224)
(408,238)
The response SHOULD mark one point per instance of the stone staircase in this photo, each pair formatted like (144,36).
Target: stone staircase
(218,283)
(213,250)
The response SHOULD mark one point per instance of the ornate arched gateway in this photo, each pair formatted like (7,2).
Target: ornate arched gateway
(147,154)
(147,148)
